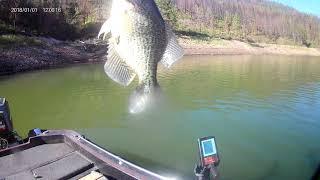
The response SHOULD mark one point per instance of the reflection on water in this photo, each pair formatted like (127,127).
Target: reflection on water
(264,111)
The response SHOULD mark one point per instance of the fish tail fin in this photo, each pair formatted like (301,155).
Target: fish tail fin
(143,97)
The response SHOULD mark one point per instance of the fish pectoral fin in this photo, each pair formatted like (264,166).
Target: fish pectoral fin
(117,69)
(105,29)
(173,50)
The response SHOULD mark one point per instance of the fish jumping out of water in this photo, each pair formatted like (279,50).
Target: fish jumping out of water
(139,38)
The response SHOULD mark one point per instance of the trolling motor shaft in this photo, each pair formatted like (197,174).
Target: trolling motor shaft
(7,134)
(206,173)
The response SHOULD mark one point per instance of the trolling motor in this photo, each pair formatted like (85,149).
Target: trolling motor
(209,159)
(7,134)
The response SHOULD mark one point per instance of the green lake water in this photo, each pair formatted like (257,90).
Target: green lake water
(263,110)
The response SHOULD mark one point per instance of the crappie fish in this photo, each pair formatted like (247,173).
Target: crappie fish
(139,38)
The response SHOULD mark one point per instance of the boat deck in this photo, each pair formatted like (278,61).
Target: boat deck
(66,155)
(47,161)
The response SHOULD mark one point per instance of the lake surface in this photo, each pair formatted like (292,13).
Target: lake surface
(263,110)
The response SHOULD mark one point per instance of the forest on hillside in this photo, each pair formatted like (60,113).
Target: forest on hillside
(245,20)
(250,20)
(60,19)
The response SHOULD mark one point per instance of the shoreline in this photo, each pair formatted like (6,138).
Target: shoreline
(50,53)
(234,47)
(57,54)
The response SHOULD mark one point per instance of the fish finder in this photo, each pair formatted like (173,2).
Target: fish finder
(209,159)
(208,151)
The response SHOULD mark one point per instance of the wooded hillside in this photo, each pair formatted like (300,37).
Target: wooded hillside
(61,19)
(245,20)
(251,20)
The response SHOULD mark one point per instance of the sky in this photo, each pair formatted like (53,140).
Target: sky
(307,6)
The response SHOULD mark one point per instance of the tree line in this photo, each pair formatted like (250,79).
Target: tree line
(252,20)
(248,20)
(61,19)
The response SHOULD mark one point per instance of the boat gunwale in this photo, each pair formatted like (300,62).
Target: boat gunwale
(104,159)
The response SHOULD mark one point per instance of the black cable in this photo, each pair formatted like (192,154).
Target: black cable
(316,175)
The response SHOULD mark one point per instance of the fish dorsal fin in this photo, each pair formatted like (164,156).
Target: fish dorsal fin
(173,50)
(117,69)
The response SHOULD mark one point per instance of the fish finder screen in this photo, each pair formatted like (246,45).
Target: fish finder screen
(208,147)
